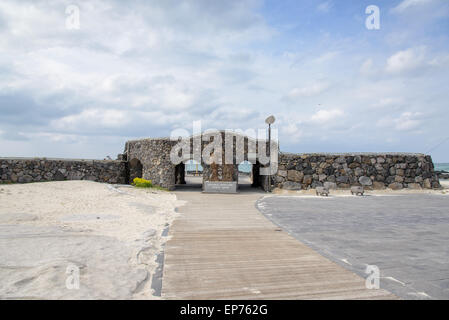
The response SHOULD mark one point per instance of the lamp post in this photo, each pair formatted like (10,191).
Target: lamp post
(270,120)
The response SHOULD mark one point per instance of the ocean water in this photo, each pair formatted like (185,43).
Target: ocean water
(246,167)
(243,167)
(190,166)
(442,166)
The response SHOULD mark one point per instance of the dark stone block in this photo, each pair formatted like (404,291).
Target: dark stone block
(389,179)
(289,185)
(58,176)
(329,171)
(342,179)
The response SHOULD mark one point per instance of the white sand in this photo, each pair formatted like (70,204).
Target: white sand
(444,184)
(112,233)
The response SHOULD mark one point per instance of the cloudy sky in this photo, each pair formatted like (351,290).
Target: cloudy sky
(144,68)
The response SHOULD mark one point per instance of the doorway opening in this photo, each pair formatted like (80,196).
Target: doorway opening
(135,170)
(245,178)
(192,173)
(255,176)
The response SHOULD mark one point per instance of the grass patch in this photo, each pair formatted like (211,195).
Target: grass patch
(159,188)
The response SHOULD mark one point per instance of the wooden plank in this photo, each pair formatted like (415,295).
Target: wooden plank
(221,247)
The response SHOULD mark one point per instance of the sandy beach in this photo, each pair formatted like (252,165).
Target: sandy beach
(111,234)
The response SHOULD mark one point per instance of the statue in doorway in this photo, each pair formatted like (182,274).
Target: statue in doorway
(228,172)
(214,169)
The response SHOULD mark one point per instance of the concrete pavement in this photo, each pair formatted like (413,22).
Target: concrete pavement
(406,236)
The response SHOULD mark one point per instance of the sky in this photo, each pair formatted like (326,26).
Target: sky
(136,69)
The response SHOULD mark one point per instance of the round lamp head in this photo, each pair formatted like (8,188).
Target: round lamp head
(270,120)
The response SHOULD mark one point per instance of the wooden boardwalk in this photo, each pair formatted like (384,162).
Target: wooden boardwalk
(221,247)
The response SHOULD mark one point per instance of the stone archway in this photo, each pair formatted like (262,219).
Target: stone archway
(180,174)
(135,169)
(255,175)
(164,159)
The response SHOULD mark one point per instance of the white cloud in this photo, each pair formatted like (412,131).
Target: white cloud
(388,102)
(326,57)
(406,60)
(309,90)
(143,68)
(407,121)
(325,6)
(292,131)
(324,116)
(407,4)
(93,118)
(54,137)
(367,67)
(440,61)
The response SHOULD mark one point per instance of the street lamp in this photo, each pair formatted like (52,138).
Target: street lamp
(270,120)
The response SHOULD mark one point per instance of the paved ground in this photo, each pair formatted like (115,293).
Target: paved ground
(222,247)
(406,236)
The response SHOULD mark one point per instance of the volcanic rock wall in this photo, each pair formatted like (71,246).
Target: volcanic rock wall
(371,170)
(24,170)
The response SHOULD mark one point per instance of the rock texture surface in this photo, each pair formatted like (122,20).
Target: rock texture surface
(372,171)
(151,159)
(153,154)
(25,170)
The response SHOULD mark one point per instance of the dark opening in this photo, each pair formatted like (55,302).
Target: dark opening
(180,174)
(135,169)
(255,179)
(245,177)
(189,175)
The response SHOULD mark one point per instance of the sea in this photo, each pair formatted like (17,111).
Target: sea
(246,167)
(243,167)
(442,167)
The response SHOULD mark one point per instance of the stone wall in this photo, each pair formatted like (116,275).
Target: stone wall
(373,171)
(150,158)
(24,170)
(154,156)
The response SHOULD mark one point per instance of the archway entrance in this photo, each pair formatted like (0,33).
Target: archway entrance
(245,178)
(180,174)
(189,176)
(168,162)
(256,177)
(135,169)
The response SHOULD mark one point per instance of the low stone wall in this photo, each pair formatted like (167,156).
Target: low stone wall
(24,170)
(442,175)
(296,171)
(373,171)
